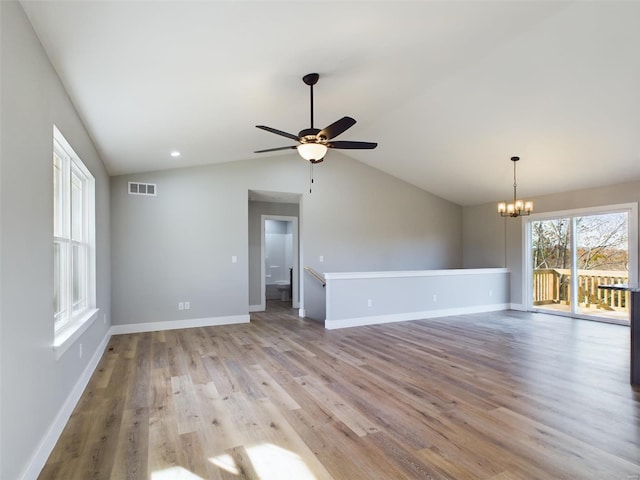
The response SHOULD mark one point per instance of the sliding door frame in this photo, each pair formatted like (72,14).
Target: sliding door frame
(527,268)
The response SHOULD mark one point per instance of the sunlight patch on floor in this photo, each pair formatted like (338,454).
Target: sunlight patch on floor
(274,463)
(270,462)
(226,463)
(174,473)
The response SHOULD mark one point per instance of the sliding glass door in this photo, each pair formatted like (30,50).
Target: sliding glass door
(551,256)
(572,253)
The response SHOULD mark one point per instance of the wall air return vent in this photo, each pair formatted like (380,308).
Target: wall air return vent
(136,188)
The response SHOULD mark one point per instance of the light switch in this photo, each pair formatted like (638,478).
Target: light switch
(234,259)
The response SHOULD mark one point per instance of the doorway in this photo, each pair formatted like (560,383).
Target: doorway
(570,254)
(279,262)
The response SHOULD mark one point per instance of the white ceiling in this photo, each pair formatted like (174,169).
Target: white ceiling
(450,90)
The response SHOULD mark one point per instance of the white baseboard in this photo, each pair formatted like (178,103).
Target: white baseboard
(176,324)
(517,306)
(256,308)
(47,443)
(404,317)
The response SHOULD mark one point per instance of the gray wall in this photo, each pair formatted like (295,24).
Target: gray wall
(360,219)
(178,245)
(34,385)
(256,210)
(493,241)
(402,297)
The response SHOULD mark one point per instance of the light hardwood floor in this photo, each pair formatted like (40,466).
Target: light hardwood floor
(506,395)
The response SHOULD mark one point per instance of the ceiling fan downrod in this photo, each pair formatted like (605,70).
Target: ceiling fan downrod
(311,79)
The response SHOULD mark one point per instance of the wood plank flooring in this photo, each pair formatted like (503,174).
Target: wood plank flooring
(500,396)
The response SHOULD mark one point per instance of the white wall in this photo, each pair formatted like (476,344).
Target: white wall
(178,245)
(493,241)
(33,384)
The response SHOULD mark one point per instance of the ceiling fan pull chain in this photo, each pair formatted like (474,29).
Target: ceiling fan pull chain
(310,176)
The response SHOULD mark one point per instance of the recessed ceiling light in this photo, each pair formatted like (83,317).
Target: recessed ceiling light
(175,153)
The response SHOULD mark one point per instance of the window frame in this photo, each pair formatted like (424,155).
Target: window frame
(73,187)
(631,209)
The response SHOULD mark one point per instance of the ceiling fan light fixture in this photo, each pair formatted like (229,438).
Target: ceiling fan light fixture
(312,151)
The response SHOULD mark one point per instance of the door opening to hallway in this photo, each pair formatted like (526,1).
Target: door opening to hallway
(279,253)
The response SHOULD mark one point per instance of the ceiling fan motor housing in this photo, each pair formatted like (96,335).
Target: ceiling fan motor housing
(309,135)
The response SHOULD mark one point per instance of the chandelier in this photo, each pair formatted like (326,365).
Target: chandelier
(518,207)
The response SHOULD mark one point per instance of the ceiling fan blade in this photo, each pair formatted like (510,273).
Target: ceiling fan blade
(276,149)
(352,145)
(336,128)
(279,132)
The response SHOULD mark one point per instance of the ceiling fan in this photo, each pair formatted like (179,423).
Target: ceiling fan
(313,143)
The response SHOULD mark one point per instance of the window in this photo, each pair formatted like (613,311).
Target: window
(73,240)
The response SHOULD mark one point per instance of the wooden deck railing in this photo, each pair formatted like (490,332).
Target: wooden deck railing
(552,286)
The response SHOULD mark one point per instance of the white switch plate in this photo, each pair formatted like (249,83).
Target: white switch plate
(234,259)
(187,305)
(180,305)
(369,303)
(321,258)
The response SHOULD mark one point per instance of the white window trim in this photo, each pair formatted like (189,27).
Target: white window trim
(65,335)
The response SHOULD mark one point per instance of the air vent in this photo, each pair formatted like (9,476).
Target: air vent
(136,188)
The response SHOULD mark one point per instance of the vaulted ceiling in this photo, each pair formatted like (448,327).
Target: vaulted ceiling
(449,90)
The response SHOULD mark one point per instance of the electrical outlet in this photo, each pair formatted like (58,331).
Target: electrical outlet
(234,259)
(491,293)
(435,297)
(369,303)
(187,305)
(321,259)
(180,305)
